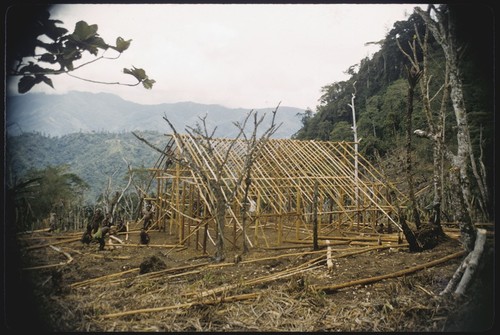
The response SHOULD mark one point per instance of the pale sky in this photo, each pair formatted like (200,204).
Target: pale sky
(249,56)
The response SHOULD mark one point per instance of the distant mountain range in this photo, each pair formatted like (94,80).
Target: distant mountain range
(61,114)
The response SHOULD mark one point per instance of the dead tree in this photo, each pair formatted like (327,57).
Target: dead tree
(356,144)
(415,245)
(211,173)
(442,26)
(429,234)
(254,145)
(435,120)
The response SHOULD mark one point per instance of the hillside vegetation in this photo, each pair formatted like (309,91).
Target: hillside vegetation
(97,158)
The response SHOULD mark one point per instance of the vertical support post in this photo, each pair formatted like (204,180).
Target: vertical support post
(315,216)
(299,211)
(257,220)
(235,210)
(175,196)
(182,208)
(205,234)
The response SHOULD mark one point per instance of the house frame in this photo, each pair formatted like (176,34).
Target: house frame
(293,183)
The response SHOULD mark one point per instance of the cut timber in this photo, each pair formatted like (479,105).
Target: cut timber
(98,279)
(309,265)
(135,245)
(116,239)
(68,256)
(332,288)
(46,245)
(186,305)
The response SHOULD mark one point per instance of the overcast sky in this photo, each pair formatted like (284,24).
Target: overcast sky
(249,56)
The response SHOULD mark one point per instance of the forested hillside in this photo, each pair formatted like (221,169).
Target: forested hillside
(97,158)
(379,85)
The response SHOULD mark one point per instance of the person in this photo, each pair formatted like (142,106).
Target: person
(148,216)
(87,234)
(96,220)
(100,236)
(107,220)
(121,226)
(86,237)
(52,222)
(144,236)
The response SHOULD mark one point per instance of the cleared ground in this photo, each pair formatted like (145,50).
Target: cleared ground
(75,287)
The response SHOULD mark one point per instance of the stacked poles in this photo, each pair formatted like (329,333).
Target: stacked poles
(282,189)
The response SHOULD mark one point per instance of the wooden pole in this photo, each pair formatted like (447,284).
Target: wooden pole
(315,216)
(370,280)
(299,210)
(257,221)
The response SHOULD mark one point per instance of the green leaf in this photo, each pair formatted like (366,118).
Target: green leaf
(148,83)
(98,42)
(139,74)
(122,45)
(26,83)
(54,32)
(48,58)
(83,31)
(31,68)
(47,81)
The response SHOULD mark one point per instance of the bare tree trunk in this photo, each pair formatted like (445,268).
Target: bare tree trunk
(220,219)
(443,30)
(211,168)
(246,204)
(355,133)
(413,78)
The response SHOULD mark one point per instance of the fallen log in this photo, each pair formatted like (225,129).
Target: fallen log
(370,280)
(467,267)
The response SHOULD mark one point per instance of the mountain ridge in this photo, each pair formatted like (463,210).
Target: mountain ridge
(73,112)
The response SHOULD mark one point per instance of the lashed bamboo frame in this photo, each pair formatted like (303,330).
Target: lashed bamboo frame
(283,178)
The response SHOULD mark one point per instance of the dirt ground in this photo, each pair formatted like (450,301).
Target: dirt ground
(70,286)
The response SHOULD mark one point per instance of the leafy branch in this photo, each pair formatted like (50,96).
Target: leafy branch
(35,59)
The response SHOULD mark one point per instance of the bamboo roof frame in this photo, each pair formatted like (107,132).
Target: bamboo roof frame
(283,179)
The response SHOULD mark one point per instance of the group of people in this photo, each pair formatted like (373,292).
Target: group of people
(101,226)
